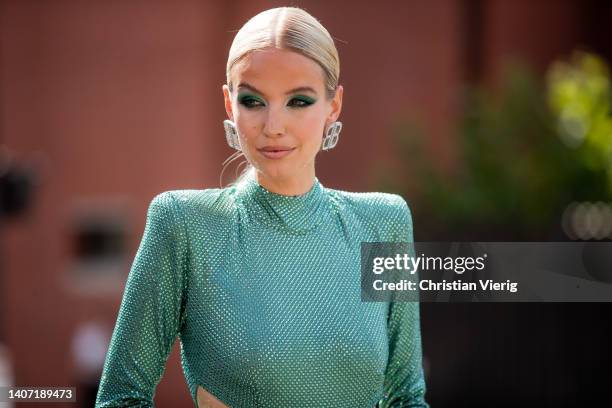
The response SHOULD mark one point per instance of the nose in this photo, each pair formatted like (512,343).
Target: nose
(274,124)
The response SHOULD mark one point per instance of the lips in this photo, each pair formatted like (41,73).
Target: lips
(275,152)
(275,148)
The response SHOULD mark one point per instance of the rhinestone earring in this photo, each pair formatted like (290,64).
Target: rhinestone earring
(231,134)
(331,136)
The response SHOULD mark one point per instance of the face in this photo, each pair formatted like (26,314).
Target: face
(280,108)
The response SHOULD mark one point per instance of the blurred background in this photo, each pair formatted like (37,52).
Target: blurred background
(491,117)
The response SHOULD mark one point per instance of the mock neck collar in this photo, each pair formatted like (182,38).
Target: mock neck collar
(295,214)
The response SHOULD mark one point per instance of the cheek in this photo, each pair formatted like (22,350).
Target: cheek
(312,138)
(248,126)
(312,127)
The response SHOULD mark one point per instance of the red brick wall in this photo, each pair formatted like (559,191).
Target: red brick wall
(123,99)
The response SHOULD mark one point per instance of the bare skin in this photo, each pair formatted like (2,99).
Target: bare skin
(207,400)
(268,114)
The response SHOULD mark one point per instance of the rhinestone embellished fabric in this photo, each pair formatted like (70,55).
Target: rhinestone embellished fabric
(263,292)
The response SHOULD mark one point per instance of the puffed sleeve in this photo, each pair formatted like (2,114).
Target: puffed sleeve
(404,384)
(151,311)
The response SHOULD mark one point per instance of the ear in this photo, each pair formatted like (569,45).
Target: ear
(336,105)
(227,98)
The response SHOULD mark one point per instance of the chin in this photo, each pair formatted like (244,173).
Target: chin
(285,169)
(277,172)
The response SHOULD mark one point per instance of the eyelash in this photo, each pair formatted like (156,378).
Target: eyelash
(245,102)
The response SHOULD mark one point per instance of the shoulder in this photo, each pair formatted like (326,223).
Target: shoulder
(204,211)
(187,201)
(372,204)
(387,210)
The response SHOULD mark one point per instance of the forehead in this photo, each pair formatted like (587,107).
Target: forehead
(277,70)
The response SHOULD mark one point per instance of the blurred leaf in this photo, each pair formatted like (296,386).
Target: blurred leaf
(526,152)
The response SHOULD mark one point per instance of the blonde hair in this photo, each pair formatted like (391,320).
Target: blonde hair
(289,28)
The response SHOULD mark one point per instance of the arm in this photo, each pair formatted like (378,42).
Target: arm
(151,312)
(404,384)
(404,379)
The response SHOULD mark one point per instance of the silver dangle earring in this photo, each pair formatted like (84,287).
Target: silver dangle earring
(231,134)
(331,136)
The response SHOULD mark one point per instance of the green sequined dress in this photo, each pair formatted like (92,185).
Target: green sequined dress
(263,292)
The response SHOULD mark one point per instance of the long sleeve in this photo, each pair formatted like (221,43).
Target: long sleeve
(404,378)
(151,311)
(404,384)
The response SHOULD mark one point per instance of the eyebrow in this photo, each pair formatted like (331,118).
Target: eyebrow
(291,91)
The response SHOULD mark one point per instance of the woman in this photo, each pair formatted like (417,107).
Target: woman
(261,280)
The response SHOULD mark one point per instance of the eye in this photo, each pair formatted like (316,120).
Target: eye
(301,102)
(250,102)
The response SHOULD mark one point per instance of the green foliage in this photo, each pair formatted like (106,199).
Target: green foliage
(580,96)
(517,170)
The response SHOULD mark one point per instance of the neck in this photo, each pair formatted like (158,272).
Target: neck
(290,186)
